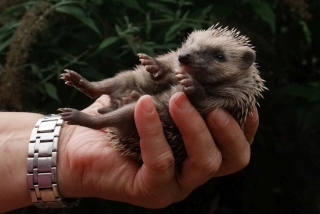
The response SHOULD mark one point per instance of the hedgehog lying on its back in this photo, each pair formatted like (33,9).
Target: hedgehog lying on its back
(214,68)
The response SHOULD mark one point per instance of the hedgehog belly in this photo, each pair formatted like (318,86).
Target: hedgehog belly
(174,138)
(129,145)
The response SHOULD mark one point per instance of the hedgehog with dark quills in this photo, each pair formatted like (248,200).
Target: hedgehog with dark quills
(215,68)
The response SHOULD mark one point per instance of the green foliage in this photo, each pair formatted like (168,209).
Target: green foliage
(79,14)
(265,12)
(99,38)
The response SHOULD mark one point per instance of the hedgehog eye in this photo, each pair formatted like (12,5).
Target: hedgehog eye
(220,58)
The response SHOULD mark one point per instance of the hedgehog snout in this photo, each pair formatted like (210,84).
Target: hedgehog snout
(184,58)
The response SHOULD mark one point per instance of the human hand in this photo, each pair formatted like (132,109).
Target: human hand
(89,167)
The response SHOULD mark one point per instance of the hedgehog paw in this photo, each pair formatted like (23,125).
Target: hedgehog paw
(73,116)
(151,65)
(74,79)
(186,80)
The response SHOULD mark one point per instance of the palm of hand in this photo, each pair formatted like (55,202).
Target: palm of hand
(100,170)
(90,167)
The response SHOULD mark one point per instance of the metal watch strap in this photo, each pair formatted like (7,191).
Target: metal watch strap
(42,164)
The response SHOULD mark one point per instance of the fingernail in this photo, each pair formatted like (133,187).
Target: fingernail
(219,117)
(182,101)
(147,104)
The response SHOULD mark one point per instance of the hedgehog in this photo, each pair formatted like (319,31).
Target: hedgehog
(215,68)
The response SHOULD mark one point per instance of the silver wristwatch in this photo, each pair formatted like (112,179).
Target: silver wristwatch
(42,164)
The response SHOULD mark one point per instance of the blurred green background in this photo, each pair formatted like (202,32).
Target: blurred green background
(39,39)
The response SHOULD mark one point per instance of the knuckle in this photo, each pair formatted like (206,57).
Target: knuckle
(211,165)
(212,168)
(164,161)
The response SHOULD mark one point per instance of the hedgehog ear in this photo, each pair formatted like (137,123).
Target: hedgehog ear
(247,58)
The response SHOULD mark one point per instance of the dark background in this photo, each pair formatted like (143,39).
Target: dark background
(39,39)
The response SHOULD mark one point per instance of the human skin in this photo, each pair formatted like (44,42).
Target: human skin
(89,167)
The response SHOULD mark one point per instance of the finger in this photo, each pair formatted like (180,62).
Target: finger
(204,157)
(231,141)
(156,152)
(251,125)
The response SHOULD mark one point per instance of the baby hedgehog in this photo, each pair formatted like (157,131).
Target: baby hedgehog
(214,68)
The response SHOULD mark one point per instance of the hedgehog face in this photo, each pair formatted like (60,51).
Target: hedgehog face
(216,56)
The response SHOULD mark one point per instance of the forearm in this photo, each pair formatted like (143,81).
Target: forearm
(15,130)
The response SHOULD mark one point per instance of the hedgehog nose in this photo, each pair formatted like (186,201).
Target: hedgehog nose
(184,58)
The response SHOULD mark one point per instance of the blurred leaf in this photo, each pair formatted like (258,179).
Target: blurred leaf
(15,7)
(36,70)
(306,32)
(8,28)
(172,32)
(148,24)
(178,13)
(107,42)
(6,32)
(79,14)
(161,7)
(133,4)
(97,2)
(185,16)
(206,10)
(5,44)
(186,3)
(118,29)
(265,12)
(51,90)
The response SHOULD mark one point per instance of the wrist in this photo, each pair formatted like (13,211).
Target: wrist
(43,181)
(14,138)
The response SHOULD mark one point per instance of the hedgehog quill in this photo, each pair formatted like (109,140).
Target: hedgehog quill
(214,68)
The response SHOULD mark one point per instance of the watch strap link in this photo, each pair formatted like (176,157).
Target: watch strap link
(42,164)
